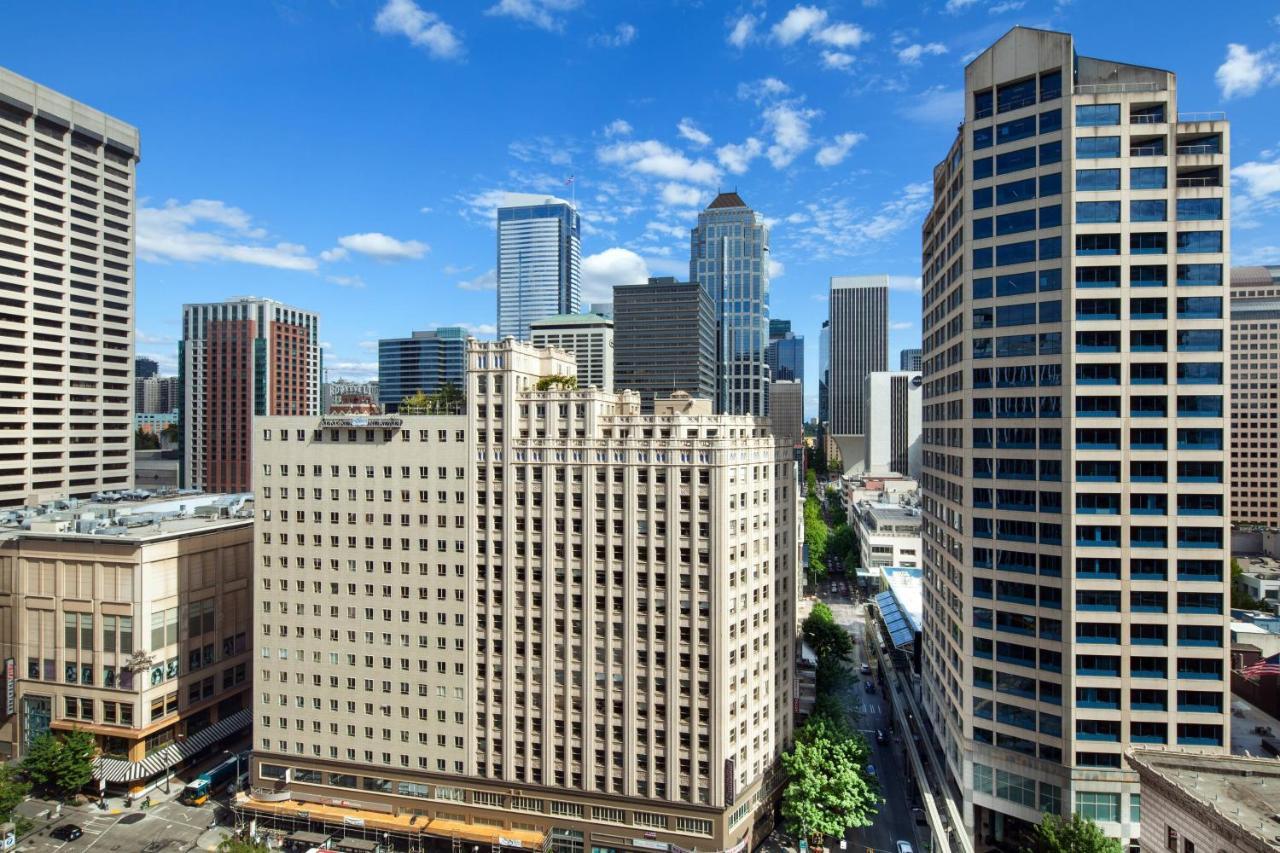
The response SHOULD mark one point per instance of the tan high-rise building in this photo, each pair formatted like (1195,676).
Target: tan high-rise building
(1255,395)
(129,621)
(551,620)
(66,272)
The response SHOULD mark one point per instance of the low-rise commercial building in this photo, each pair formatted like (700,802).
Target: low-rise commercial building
(130,621)
(887,535)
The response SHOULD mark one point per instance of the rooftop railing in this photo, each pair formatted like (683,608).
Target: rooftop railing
(1216,115)
(1117,88)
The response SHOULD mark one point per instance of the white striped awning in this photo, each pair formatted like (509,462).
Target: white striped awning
(119,770)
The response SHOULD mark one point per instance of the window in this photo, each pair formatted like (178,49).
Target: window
(1015,253)
(982,168)
(1019,128)
(1050,120)
(1150,210)
(1015,161)
(1015,191)
(1012,96)
(1097,147)
(1097,115)
(1195,275)
(1097,179)
(1014,223)
(1098,806)
(1199,208)
(982,138)
(1148,178)
(1199,241)
(1098,211)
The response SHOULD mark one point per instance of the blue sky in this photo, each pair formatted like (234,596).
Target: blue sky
(345,155)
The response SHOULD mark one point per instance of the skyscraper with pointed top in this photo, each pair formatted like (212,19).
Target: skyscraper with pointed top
(729,257)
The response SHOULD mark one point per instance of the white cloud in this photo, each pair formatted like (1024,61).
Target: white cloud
(335,254)
(680,195)
(690,131)
(901,326)
(623,34)
(602,271)
(650,157)
(1007,6)
(834,153)
(789,125)
(837,60)
(617,127)
(368,346)
(422,28)
(954,6)
(1257,192)
(353,281)
(454,269)
(910,55)
(381,247)
(837,228)
(155,340)
(737,158)
(424,210)
(203,230)
(1244,72)
(1259,179)
(543,149)
(668,230)
(811,22)
(776,269)
(357,370)
(1257,256)
(938,105)
(476,330)
(762,90)
(539,13)
(743,30)
(487,280)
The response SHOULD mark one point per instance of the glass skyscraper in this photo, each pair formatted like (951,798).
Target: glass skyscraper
(785,354)
(426,362)
(1075,444)
(729,257)
(539,261)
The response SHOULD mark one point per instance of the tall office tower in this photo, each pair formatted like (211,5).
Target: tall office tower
(554,619)
(785,355)
(157,394)
(729,257)
(145,368)
(424,362)
(778,328)
(786,410)
(893,443)
(859,306)
(539,261)
(909,360)
(1255,395)
(1075,505)
(664,340)
(604,309)
(824,373)
(588,336)
(67,224)
(237,360)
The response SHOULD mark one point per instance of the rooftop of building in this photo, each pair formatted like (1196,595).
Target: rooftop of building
(906,585)
(846,282)
(1241,791)
(1259,565)
(571,320)
(730,199)
(890,518)
(531,200)
(136,515)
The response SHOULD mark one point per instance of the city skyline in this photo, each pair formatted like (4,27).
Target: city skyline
(229,153)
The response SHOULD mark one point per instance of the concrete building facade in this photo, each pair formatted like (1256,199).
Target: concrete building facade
(859,306)
(729,257)
(539,261)
(67,270)
(130,622)
(145,367)
(1074,491)
(588,336)
(664,340)
(892,423)
(240,359)
(909,360)
(157,394)
(424,363)
(786,410)
(1255,395)
(553,618)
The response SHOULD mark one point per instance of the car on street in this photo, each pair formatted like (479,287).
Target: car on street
(871,770)
(905,847)
(66,832)
(880,738)
(871,687)
(866,669)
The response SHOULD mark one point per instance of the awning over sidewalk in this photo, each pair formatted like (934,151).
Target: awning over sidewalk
(900,631)
(120,770)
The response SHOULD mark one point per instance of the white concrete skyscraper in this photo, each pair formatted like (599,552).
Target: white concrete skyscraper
(539,261)
(859,306)
(1075,446)
(729,257)
(67,272)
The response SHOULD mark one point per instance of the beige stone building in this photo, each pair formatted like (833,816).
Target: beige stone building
(1255,395)
(130,621)
(552,621)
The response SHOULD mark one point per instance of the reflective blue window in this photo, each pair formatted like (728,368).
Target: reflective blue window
(1148,276)
(1050,85)
(1200,308)
(1019,128)
(1200,373)
(982,288)
(982,258)
(1016,315)
(1015,191)
(1050,153)
(981,168)
(1148,178)
(1012,96)
(1097,211)
(1150,308)
(1093,147)
(1016,253)
(1016,284)
(1012,346)
(1156,243)
(982,104)
(1200,274)
(1050,120)
(981,349)
(1050,344)
(1013,223)
(1199,406)
(982,138)
(1051,311)
(1097,179)
(1051,216)
(1097,115)
(1199,208)
(1050,248)
(1148,210)
(1097,244)
(1016,161)
(1147,340)
(1050,279)
(1147,373)
(982,318)
(1199,241)
(981,198)
(982,228)
(1051,185)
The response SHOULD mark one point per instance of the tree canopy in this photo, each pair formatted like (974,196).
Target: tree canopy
(236,845)
(13,790)
(824,636)
(1074,835)
(61,765)
(546,383)
(447,400)
(828,789)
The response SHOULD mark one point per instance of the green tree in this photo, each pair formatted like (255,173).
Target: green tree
(546,383)
(61,766)
(447,399)
(236,845)
(842,545)
(824,636)
(13,790)
(145,440)
(828,790)
(1076,835)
